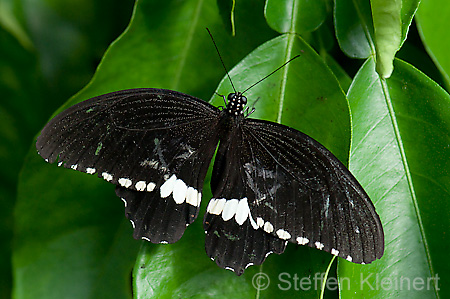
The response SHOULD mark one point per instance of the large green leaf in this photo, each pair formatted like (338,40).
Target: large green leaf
(433,20)
(414,53)
(304,95)
(400,154)
(72,239)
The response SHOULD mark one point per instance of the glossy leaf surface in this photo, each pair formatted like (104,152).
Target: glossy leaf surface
(391,156)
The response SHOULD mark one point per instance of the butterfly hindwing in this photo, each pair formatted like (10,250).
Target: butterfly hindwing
(156,219)
(233,239)
(155,145)
(237,246)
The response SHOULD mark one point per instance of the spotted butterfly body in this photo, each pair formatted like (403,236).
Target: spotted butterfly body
(271,184)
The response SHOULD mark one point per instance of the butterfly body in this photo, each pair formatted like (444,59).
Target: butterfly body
(271,184)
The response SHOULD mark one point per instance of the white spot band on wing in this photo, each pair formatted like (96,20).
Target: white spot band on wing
(242,212)
(319,245)
(230,209)
(106,176)
(268,227)
(302,240)
(167,188)
(179,191)
(141,185)
(282,234)
(192,197)
(150,187)
(124,182)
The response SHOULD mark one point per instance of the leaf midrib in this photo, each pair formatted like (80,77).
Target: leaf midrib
(282,95)
(187,45)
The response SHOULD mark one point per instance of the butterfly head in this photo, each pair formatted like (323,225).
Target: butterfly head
(236,103)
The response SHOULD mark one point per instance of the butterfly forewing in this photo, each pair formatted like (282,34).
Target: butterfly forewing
(154,144)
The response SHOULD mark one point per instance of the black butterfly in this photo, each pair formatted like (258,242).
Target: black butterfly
(271,184)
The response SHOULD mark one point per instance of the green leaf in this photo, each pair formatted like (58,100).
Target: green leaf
(433,21)
(354,28)
(304,95)
(299,16)
(400,155)
(409,9)
(386,16)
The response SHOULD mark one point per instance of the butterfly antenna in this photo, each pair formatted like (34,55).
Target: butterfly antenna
(271,73)
(221,60)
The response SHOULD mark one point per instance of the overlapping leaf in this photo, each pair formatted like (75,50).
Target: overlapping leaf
(400,154)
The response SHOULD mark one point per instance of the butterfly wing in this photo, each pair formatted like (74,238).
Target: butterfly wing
(233,240)
(295,190)
(154,144)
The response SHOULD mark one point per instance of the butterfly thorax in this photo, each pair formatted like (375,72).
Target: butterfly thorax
(236,104)
(232,116)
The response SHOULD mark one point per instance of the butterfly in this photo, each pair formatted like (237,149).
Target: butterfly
(271,184)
